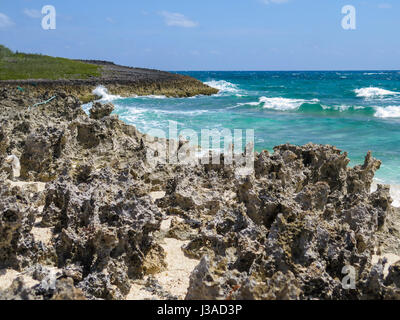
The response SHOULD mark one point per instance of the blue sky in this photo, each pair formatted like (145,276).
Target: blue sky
(210,34)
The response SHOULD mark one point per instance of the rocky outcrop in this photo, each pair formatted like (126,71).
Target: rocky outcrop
(286,231)
(48,289)
(301,219)
(17,217)
(119,80)
(103,228)
(99,111)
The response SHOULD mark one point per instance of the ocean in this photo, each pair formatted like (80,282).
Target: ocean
(355,111)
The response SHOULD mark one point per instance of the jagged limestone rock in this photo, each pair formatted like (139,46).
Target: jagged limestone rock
(99,111)
(283,232)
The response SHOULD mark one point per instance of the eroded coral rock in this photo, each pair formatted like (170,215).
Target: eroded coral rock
(285,231)
(103,227)
(99,110)
(310,216)
(17,217)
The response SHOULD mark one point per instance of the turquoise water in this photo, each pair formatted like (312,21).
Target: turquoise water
(355,111)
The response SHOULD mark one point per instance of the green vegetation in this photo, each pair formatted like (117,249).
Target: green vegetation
(21,66)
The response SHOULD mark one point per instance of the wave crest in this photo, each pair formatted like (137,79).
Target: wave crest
(373,92)
(102,92)
(279,103)
(284,104)
(223,86)
(388,112)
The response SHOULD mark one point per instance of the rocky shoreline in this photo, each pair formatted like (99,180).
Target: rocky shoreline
(84,215)
(119,80)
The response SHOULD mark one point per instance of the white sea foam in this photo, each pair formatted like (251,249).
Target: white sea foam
(152,96)
(102,92)
(373,73)
(251,103)
(223,86)
(342,107)
(284,104)
(373,92)
(388,112)
(245,104)
(180,112)
(395,194)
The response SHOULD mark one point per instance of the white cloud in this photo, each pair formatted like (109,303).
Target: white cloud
(5,21)
(110,20)
(32,13)
(274,1)
(178,20)
(384,6)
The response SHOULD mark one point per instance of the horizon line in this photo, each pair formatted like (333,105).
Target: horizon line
(311,70)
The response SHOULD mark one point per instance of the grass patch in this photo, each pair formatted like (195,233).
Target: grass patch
(22,66)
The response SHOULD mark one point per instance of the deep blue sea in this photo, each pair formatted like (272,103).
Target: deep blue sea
(355,111)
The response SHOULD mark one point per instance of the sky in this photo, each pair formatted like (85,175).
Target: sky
(185,35)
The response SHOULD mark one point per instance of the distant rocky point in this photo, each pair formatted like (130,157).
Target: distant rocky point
(39,74)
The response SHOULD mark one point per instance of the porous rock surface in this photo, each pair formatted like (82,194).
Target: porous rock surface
(283,232)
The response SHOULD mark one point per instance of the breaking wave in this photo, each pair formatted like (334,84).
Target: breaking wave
(105,96)
(388,112)
(284,104)
(373,92)
(314,105)
(102,92)
(223,86)
(281,104)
